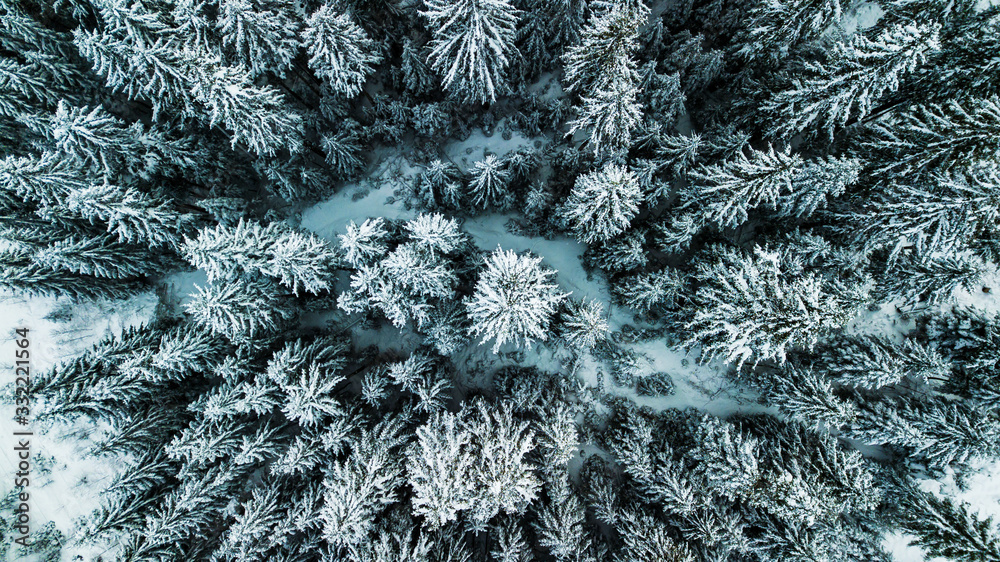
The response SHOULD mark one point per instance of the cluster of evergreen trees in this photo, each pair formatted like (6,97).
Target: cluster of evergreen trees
(748,176)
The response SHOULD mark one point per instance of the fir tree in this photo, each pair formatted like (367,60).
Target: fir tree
(361,244)
(730,323)
(729,191)
(851,84)
(514,300)
(264,38)
(584,325)
(472,47)
(937,137)
(240,310)
(489,183)
(605,54)
(816,183)
(503,481)
(340,51)
(299,261)
(774,28)
(610,115)
(603,203)
(946,528)
(440,466)
(645,292)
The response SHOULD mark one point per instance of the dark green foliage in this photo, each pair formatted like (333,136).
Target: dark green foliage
(944,527)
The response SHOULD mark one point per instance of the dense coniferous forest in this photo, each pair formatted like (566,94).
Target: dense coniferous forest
(749,179)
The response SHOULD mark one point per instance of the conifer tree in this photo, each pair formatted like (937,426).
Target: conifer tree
(263,38)
(514,300)
(240,310)
(489,183)
(858,75)
(603,203)
(299,261)
(605,53)
(584,325)
(938,137)
(361,486)
(440,465)
(774,28)
(472,47)
(340,51)
(947,528)
(729,191)
(602,68)
(730,323)
(645,292)
(503,482)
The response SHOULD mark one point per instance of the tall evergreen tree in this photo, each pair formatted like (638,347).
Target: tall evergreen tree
(857,76)
(603,203)
(472,47)
(514,300)
(340,51)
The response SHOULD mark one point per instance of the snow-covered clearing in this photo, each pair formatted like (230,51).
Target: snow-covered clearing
(700,386)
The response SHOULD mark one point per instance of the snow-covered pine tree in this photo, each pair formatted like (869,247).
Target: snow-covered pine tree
(502,480)
(729,191)
(645,292)
(583,324)
(928,428)
(777,27)
(559,527)
(603,203)
(100,256)
(816,182)
(510,544)
(514,300)
(417,76)
(435,233)
(957,135)
(472,46)
(646,538)
(136,56)
(627,252)
(945,527)
(489,183)
(340,52)
(809,397)
(439,184)
(439,467)
(602,69)
(363,244)
(343,150)
(857,76)
(934,279)
(609,115)
(359,487)
(605,55)
(241,310)
(263,36)
(94,138)
(297,260)
(748,310)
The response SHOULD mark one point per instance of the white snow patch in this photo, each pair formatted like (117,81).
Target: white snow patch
(898,546)
(862,17)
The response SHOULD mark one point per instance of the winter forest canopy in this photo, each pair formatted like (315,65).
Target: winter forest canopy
(744,184)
